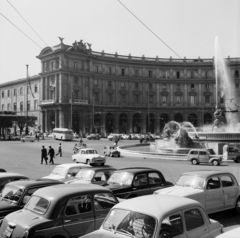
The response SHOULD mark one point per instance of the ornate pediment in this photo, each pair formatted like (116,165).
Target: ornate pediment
(178,93)
(137,92)
(164,93)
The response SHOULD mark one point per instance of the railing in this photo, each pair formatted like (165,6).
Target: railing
(48,101)
(78,101)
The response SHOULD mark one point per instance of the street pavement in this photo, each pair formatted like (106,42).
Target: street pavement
(25,158)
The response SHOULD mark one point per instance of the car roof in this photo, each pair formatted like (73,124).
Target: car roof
(136,170)
(70,165)
(206,173)
(65,190)
(157,204)
(30,183)
(88,149)
(7,174)
(99,168)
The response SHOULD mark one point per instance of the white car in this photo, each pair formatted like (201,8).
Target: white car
(89,156)
(28,138)
(65,172)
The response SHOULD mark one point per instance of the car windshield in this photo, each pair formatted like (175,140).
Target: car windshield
(60,171)
(191,181)
(91,152)
(123,178)
(11,193)
(37,204)
(86,175)
(130,223)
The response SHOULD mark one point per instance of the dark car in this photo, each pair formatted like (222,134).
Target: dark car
(93,137)
(10,177)
(134,182)
(16,194)
(95,175)
(65,210)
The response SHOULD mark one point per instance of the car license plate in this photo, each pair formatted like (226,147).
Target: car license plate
(8,232)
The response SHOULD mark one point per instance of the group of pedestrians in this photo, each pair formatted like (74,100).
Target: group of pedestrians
(50,153)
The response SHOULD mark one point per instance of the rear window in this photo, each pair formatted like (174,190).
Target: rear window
(37,204)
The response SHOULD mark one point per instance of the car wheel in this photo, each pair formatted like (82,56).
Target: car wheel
(88,162)
(111,155)
(215,162)
(237,207)
(194,162)
(118,155)
(237,160)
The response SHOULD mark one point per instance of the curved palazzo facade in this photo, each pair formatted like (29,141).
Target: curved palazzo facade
(92,91)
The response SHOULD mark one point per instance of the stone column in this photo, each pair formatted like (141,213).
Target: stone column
(43,91)
(43,121)
(103,123)
(157,122)
(57,88)
(56,119)
(61,119)
(47,87)
(144,123)
(83,122)
(116,122)
(46,121)
(60,88)
(130,123)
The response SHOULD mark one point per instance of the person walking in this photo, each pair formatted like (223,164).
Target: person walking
(59,150)
(44,154)
(51,154)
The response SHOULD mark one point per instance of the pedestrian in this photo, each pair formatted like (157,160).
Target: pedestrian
(59,150)
(51,154)
(38,137)
(81,141)
(44,154)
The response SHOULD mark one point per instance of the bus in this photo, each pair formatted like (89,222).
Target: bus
(62,134)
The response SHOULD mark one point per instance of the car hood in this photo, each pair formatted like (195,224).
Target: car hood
(79,181)
(179,191)
(102,234)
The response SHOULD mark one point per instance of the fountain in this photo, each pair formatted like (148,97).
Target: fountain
(180,138)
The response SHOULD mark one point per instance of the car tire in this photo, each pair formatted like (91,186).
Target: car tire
(215,163)
(118,155)
(237,207)
(194,162)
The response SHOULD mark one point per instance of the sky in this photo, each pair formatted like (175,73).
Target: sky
(182,28)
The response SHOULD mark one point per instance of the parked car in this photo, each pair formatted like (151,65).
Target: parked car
(93,137)
(15,137)
(233,233)
(93,175)
(15,195)
(111,151)
(197,156)
(215,190)
(28,138)
(67,210)
(158,217)
(89,156)
(10,177)
(65,172)
(133,182)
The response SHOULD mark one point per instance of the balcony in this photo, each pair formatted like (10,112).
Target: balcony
(48,101)
(78,101)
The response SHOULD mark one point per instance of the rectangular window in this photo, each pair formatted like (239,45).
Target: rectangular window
(207,99)
(95,82)
(109,97)
(178,86)
(192,99)
(136,72)
(150,85)
(222,100)
(123,97)
(96,69)
(96,97)
(206,74)
(8,107)
(2,94)
(28,105)
(35,88)
(164,86)
(206,86)
(151,99)
(15,107)
(21,106)
(178,99)
(21,90)
(192,86)
(35,104)
(123,84)
(75,65)
(150,73)
(109,83)
(236,73)
(178,75)
(192,74)
(136,98)
(14,92)
(164,99)
(136,85)
(123,72)
(8,92)
(109,70)
(52,65)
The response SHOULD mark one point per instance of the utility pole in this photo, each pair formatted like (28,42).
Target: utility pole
(26,131)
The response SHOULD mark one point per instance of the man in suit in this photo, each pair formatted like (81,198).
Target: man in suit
(44,154)
(59,150)
(51,154)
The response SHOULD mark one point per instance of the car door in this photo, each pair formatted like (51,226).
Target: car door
(203,157)
(78,216)
(103,202)
(81,156)
(140,185)
(195,224)
(156,181)
(230,191)
(214,195)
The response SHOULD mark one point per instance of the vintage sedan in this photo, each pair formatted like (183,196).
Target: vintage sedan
(15,195)
(155,216)
(93,137)
(111,151)
(138,181)
(215,190)
(10,177)
(65,172)
(95,175)
(65,210)
(28,138)
(89,156)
